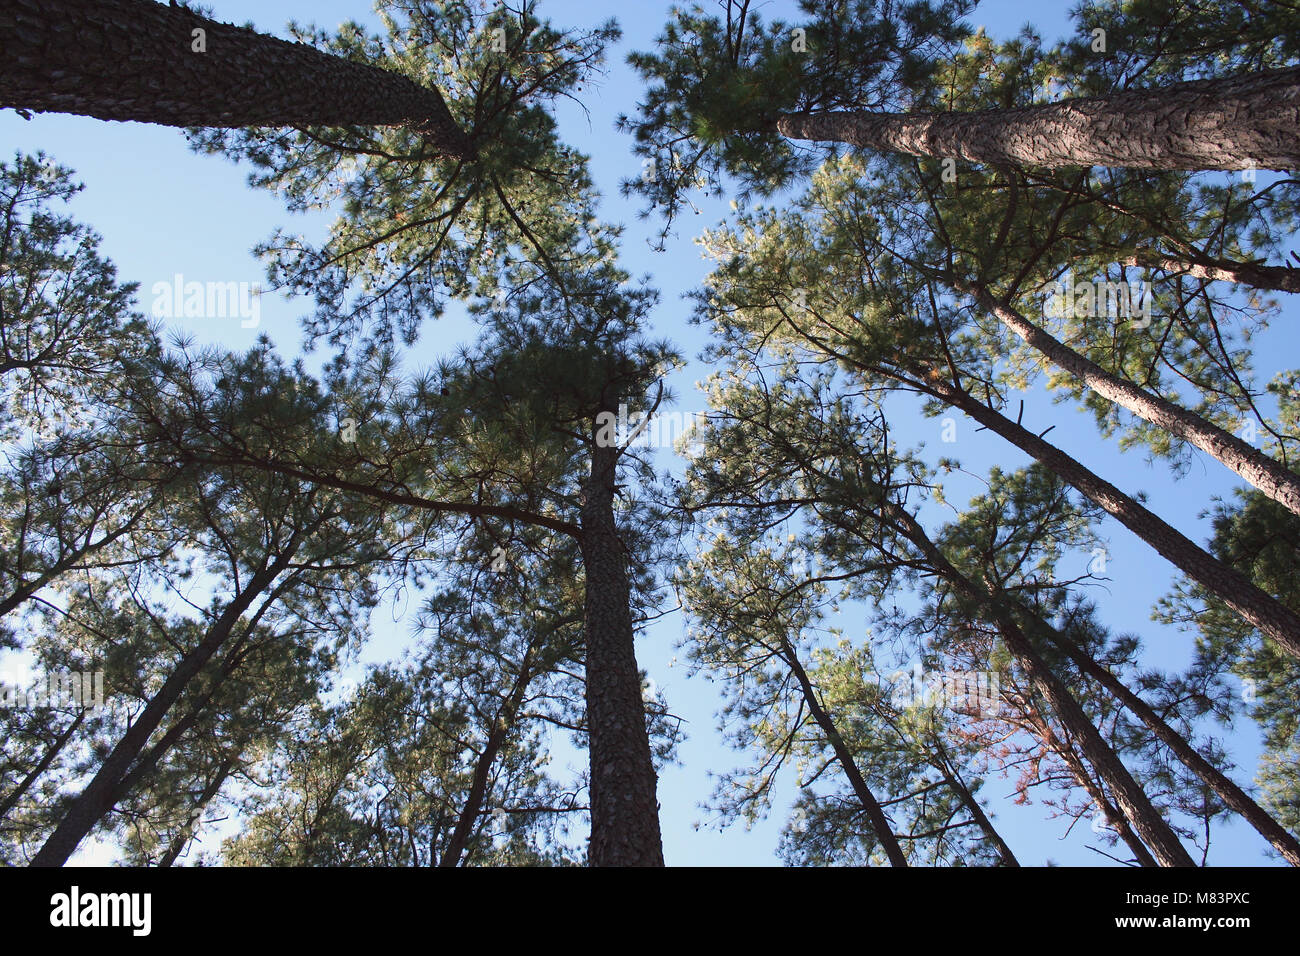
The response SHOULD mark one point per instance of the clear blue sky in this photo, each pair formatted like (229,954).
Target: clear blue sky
(164,210)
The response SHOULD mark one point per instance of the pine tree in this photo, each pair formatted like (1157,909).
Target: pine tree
(802,278)
(153,63)
(278,551)
(801,472)
(736,95)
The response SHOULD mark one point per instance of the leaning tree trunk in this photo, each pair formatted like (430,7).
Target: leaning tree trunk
(89,807)
(1228,791)
(875,813)
(1240,122)
(624,809)
(953,778)
(502,725)
(152,63)
(1269,476)
(181,839)
(11,800)
(1256,607)
(1117,820)
(1133,802)
(1254,274)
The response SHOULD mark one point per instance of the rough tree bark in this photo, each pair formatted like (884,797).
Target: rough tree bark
(624,809)
(139,60)
(1240,122)
(1254,274)
(1254,605)
(1266,474)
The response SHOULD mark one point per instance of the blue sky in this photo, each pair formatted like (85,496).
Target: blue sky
(163,210)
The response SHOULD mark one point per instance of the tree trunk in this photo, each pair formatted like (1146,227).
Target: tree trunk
(624,810)
(1259,609)
(501,725)
(1253,274)
(1133,802)
(879,822)
(1240,122)
(1116,819)
(1269,476)
(1232,795)
(139,60)
(89,807)
(144,765)
(51,752)
(958,785)
(183,836)
(474,799)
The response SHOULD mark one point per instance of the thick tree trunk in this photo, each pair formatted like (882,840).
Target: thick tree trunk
(624,809)
(879,822)
(139,60)
(1269,476)
(89,807)
(1232,795)
(1253,274)
(1133,802)
(1241,122)
(1258,608)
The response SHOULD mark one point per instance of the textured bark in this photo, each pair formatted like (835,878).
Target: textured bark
(90,806)
(879,822)
(1232,795)
(624,810)
(134,60)
(1133,802)
(1241,122)
(1269,476)
(1256,607)
(1253,274)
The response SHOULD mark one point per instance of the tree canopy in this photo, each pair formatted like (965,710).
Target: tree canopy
(932,229)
